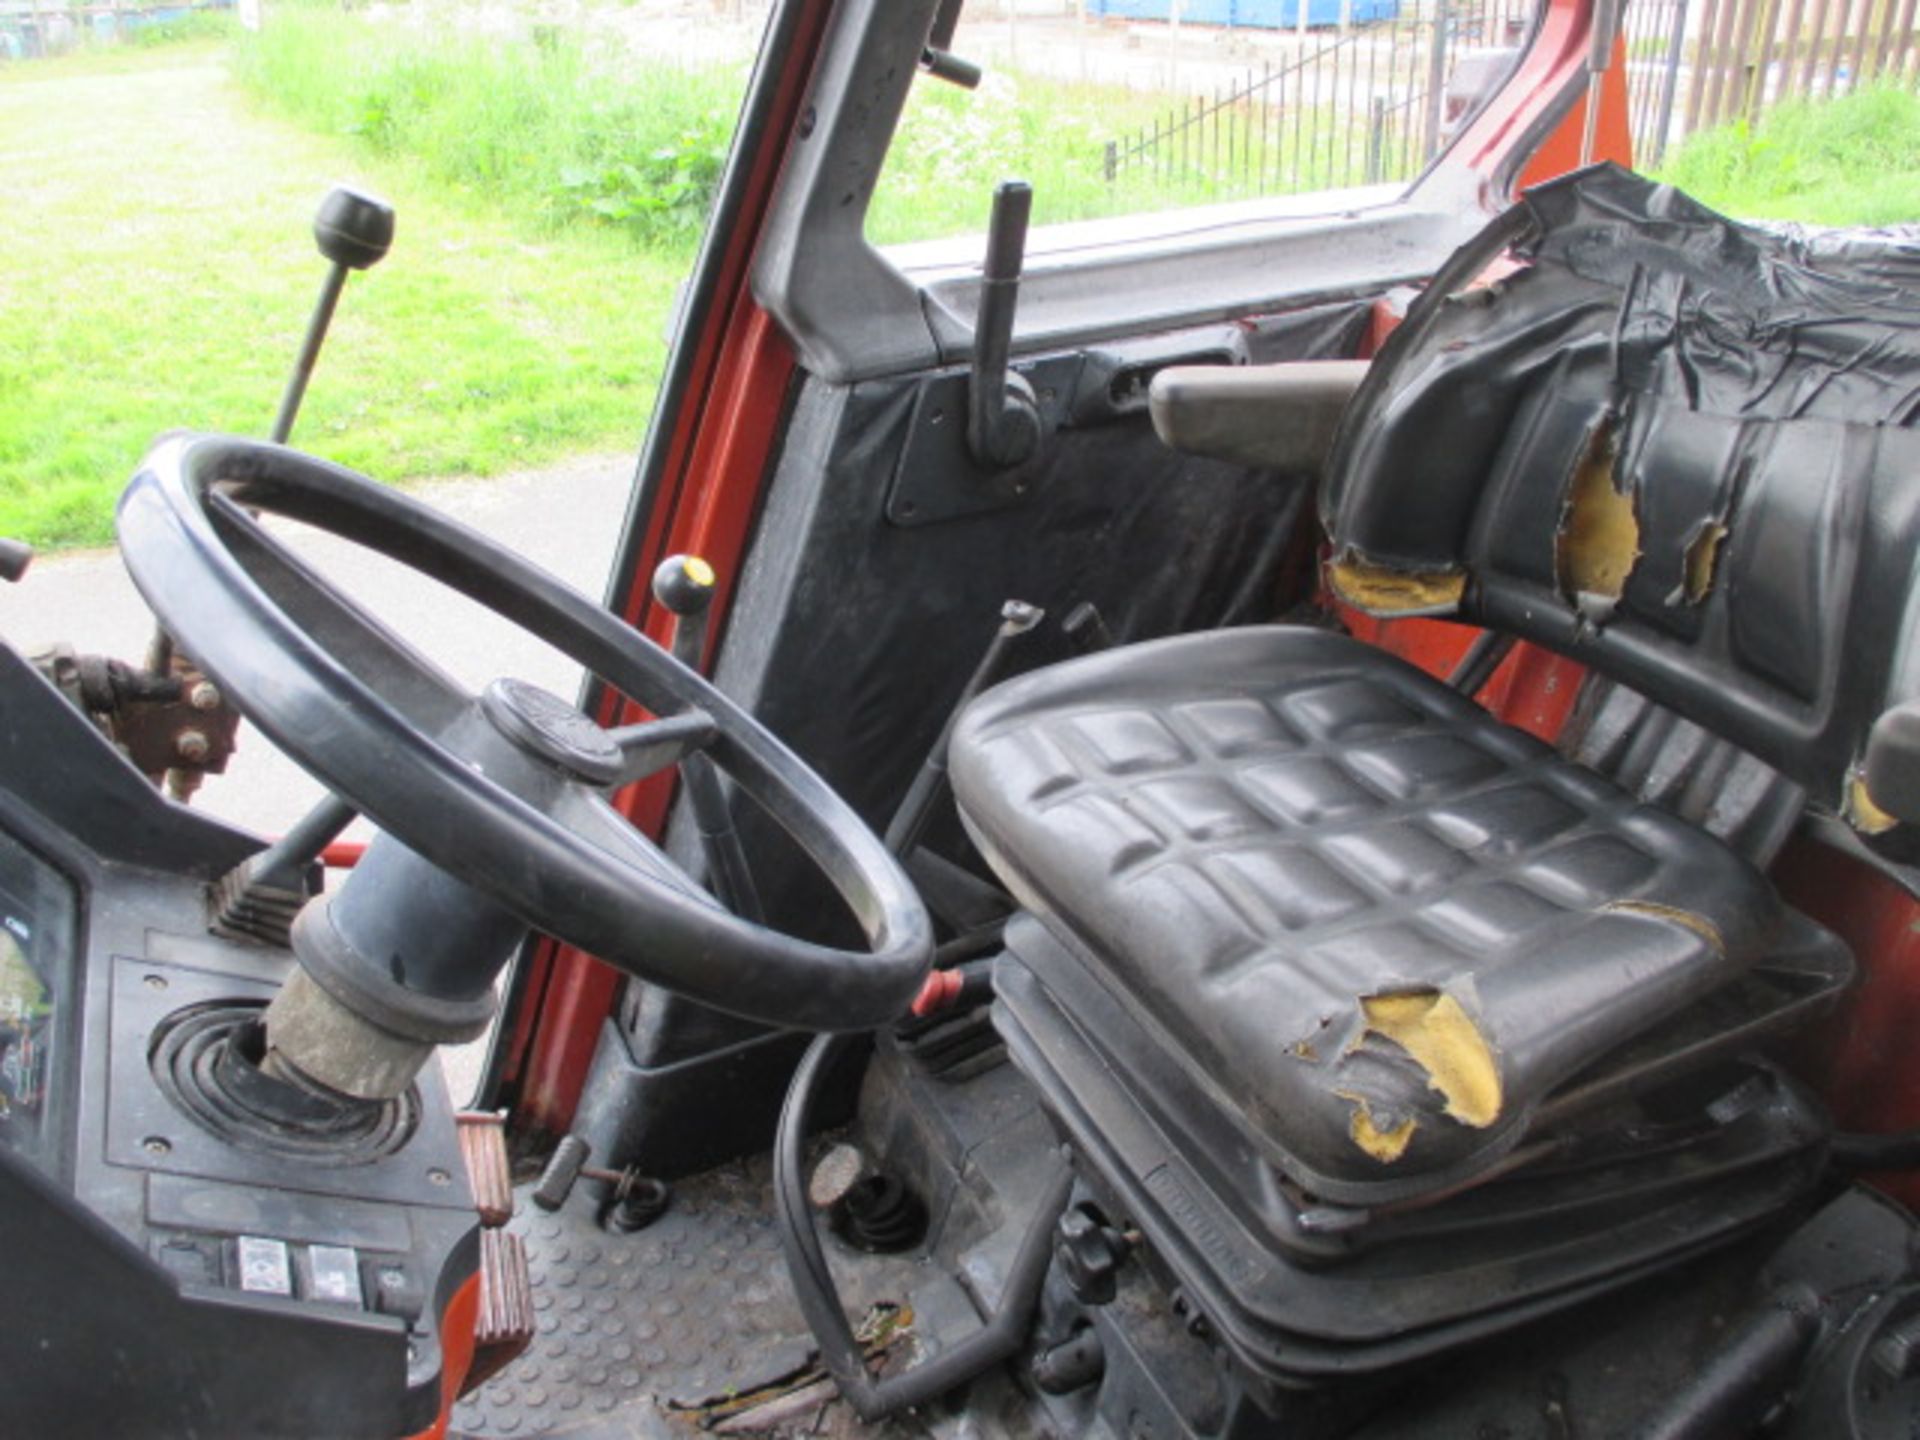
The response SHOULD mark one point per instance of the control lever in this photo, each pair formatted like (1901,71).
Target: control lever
(261,895)
(683,585)
(909,822)
(1086,629)
(353,230)
(1003,417)
(637,1200)
(947,66)
(15,557)
(1606,30)
(937,57)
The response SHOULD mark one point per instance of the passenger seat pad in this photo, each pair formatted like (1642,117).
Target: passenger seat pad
(1382,925)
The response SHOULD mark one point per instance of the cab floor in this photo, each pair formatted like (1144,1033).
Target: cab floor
(686,1326)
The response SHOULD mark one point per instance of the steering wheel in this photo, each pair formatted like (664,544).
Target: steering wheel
(418,754)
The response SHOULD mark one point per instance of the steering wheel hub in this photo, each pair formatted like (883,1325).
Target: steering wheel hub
(544,725)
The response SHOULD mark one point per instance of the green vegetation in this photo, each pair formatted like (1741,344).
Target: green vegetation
(955,145)
(159,273)
(558,134)
(550,194)
(194,25)
(1850,161)
(548,203)
(545,132)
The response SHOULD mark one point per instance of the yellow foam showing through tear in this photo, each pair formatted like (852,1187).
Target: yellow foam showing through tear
(1599,540)
(1378,590)
(1703,555)
(1442,1038)
(1386,1146)
(1862,813)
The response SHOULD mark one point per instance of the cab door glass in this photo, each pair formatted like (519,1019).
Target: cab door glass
(551,171)
(1118,107)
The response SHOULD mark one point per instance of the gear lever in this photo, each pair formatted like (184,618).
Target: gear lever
(354,231)
(683,586)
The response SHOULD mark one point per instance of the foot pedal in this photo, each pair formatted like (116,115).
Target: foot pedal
(505,1324)
(483,1145)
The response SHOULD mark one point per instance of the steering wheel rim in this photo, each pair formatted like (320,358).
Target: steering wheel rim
(184,524)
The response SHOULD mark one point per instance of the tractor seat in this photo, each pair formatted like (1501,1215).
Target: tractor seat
(1380,926)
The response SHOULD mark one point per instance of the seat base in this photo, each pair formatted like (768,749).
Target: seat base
(1303,1293)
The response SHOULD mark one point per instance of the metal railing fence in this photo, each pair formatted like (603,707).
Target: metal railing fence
(1372,102)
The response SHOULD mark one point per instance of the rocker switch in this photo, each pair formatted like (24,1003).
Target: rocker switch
(395,1291)
(333,1273)
(265,1267)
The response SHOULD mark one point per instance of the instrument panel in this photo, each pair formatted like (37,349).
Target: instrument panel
(37,910)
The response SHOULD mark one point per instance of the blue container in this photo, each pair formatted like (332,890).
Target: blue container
(1253,14)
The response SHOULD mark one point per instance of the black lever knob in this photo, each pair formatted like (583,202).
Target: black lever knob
(637,1200)
(556,1182)
(15,557)
(947,66)
(1003,417)
(683,584)
(353,228)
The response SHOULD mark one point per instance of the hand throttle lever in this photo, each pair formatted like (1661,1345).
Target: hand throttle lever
(683,586)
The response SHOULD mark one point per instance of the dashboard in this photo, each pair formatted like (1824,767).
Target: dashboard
(174,1265)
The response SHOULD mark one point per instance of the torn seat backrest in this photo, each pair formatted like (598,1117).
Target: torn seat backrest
(1680,450)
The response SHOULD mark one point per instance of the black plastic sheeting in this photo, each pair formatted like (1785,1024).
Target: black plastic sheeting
(1754,398)
(853,636)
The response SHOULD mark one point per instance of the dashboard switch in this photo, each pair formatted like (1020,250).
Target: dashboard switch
(191,1262)
(334,1274)
(395,1291)
(265,1268)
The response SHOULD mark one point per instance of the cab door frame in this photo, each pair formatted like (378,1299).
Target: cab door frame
(786,287)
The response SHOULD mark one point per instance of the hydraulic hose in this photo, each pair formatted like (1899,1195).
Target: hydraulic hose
(994,1342)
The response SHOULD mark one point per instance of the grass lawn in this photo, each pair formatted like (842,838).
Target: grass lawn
(160,269)
(1851,161)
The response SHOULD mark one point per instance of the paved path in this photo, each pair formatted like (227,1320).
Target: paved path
(565,517)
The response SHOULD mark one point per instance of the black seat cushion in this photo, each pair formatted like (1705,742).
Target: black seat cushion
(1382,925)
